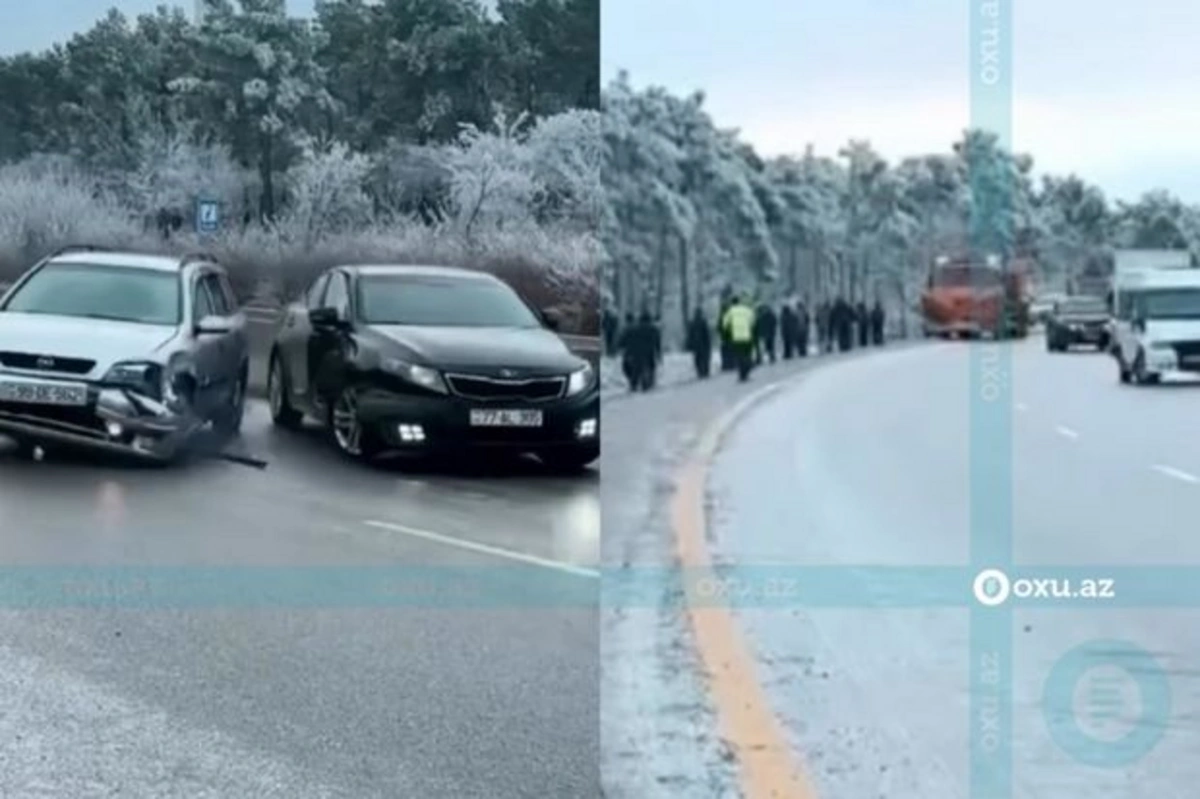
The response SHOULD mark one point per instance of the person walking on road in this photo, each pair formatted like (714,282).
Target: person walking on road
(727,358)
(824,313)
(768,327)
(609,325)
(628,344)
(739,322)
(842,324)
(652,357)
(877,320)
(789,331)
(863,317)
(802,324)
(699,343)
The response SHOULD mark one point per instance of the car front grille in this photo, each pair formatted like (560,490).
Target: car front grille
(1188,352)
(46,363)
(489,389)
(82,419)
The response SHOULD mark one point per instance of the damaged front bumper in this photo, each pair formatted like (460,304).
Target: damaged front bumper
(114,419)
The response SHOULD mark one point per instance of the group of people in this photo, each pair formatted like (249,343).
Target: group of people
(747,336)
(841,325)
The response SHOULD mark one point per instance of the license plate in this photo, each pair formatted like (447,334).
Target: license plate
(43,393)
(490,418)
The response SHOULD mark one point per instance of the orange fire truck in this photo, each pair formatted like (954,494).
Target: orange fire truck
(969,297)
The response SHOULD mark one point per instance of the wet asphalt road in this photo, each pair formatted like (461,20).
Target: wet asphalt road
(659,735)
(297,698)
(867,463)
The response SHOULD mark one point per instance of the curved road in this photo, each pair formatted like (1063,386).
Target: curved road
(866,462)
(281,636)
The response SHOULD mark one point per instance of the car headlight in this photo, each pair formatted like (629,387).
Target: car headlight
(142,376)
(416,374)
(580,381)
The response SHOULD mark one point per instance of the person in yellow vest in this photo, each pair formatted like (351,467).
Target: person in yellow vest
(738,324)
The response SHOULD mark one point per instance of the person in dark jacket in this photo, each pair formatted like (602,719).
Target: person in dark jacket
(789,330)
(863,318)
(653,351)
(843,324)
(802,325)
(823,314)
(630,348)
(609,325)
(877,320)
(699,343)
(768,329)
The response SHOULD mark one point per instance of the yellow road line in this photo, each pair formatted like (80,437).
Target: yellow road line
(768,768)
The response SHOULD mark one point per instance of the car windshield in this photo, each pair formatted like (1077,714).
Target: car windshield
(441,301)
(1084,305)
(1170,304)
(962,276)
(119,293)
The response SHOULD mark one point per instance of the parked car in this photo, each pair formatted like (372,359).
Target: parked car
(122,352)
(432,360)
(1078,321)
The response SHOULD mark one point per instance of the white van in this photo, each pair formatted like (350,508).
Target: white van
(1157,325)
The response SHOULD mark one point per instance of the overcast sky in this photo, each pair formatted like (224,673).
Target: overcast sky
(1103,88)
(38,24)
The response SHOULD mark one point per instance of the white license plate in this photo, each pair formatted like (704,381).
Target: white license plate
(490,418)
(36,393)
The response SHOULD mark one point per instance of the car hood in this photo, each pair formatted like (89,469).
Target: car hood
(537,350)
(1171,330)
(102,341)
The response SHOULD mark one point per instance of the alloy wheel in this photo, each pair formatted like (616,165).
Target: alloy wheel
(347,429)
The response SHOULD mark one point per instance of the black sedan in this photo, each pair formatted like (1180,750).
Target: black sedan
(1078,320)
(432,361)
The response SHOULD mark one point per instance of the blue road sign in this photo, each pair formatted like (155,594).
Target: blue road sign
(208,216)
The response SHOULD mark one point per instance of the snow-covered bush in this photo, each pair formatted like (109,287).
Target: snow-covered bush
(45,203)
(336,206)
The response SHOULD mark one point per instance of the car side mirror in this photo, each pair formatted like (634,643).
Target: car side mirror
(552,319)
(215,325)
(325,317)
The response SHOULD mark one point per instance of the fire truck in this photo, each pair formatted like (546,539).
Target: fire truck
(970,297)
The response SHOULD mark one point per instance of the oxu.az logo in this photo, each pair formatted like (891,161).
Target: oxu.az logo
(993,587)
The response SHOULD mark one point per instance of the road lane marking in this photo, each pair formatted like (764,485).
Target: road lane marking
(767,766)
(1178,474)
(485,549)
(1066,432)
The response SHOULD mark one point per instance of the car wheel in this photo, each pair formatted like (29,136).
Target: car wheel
(569,461)
(346,429)
(278,391)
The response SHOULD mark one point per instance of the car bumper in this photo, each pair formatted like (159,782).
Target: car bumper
(445,423)
(116,421)
(1084,335)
